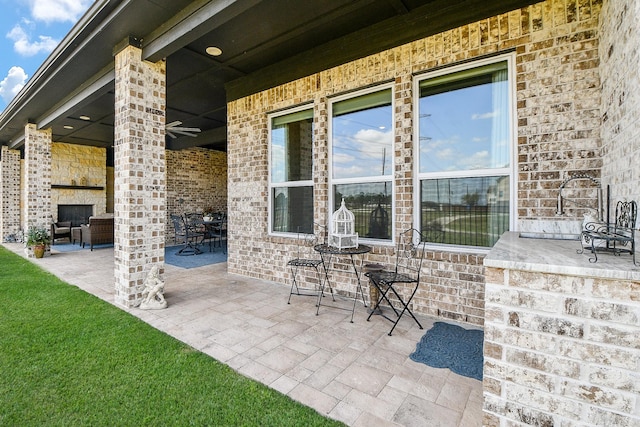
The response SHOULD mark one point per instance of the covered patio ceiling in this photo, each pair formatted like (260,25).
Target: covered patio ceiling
(263,43)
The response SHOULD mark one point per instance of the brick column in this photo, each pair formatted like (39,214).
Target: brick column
(10,192)
(37,163)
(139,182)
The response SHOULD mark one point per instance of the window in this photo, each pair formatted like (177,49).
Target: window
(361,160)
(464,163)
(291,172)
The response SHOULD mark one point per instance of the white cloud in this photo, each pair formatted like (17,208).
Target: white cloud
(58,10)
(478,160)
(25,47)
(484,116)
(12,83)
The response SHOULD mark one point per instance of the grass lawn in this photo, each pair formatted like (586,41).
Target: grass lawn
(68,358)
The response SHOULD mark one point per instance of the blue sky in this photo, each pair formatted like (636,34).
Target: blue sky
(29,31)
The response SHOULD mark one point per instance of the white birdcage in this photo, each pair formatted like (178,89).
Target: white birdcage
(342,233)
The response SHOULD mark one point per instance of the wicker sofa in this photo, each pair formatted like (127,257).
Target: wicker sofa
(98,231)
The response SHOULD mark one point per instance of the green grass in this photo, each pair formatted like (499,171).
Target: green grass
(68,358)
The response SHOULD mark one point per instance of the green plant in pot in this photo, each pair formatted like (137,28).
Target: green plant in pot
(38,238)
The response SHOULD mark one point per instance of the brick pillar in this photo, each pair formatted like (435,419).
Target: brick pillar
(10,192)
(139,181)
(37,163)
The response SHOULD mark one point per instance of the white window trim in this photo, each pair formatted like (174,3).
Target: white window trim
(289,184)
(511,171)
(362,180)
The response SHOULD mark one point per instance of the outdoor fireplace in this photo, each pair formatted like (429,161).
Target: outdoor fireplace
(77,214)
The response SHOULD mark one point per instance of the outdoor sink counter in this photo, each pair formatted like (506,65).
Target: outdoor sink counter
(542,253)
(561,335)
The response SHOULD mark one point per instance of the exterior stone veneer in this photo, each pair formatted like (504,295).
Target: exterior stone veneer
(561,350)
(79,165)
(140,184)
(558,119)
(196,180)
(9,192)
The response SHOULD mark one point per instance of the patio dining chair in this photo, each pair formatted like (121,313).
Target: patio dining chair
(218,230)
(397,287)
(306,258)
(196,224)
(187,236)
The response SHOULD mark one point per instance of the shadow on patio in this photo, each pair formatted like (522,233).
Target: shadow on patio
(353,372)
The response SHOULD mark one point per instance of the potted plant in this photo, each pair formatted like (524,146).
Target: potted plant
(38,238)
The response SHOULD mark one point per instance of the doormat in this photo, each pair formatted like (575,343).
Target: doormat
(453,347)
(193,261)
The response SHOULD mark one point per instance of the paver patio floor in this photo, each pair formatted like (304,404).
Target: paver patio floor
(352,372)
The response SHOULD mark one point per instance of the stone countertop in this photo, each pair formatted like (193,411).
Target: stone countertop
(557,256)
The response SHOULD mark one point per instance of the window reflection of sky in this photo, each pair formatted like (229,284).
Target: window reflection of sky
(277,154)
(362,143)
(456,129)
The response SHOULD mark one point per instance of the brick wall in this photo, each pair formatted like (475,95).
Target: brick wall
(558,116)
(140,172)
(620,59)
(9,192)
(37,177)
(196,179)
(561,349)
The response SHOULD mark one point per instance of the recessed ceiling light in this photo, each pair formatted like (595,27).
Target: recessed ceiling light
(68,127)
(214,51)
(84,118)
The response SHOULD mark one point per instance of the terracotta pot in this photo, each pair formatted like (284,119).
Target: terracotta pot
(38,251)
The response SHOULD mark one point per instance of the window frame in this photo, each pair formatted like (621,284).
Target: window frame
(510,171)
(333,205)
(288,184)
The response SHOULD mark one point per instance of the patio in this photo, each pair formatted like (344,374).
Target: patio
(352,372)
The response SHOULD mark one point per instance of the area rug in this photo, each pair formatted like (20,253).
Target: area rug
(68,247)
(451,346)
(193,261)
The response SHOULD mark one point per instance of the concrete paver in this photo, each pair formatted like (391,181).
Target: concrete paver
(353,372)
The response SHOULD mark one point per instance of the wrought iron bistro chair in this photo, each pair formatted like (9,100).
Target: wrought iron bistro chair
(617,237)
(304,260)
(196,225)
(218,230)
(186,236)
(404,279)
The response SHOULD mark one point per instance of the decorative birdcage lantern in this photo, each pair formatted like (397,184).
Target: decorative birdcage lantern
(342,233)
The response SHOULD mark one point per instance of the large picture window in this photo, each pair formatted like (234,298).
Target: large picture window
(361,160)
(291,172)
(464,163)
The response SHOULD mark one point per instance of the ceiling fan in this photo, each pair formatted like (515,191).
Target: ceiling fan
(174,129)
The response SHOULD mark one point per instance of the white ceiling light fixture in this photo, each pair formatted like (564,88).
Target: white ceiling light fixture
(68,127)
(86,118)
(174,129)
(214,51)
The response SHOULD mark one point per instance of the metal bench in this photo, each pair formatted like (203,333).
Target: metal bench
(617,237)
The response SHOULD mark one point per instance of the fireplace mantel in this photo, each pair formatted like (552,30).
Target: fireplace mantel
(77,187)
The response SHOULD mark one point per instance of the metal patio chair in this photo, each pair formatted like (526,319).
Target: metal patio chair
(398,286)
(306,258)
(187,236)
(218,230)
